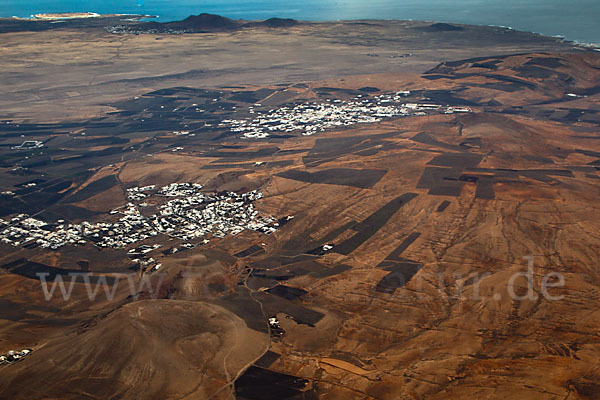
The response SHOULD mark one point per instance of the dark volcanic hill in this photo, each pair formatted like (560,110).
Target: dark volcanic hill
(443,27)
(201,23)
(273,23)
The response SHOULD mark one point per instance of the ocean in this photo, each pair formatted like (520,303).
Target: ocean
(577,20)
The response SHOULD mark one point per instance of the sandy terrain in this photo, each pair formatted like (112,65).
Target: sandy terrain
(61,73)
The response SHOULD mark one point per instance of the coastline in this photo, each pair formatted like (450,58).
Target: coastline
(87,15)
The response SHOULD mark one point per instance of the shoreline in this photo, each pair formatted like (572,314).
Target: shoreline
(87,15)
(90,15)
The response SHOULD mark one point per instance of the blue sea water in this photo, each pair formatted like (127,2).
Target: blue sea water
(577,20)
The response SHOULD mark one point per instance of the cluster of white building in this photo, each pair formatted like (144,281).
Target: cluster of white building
(29,144)
(14,356)
(139,193)
(310,118)
(183,212)
(275,327)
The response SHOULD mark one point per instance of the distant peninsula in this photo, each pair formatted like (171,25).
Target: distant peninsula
(67,15)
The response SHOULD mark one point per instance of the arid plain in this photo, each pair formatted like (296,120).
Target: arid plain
(383,263)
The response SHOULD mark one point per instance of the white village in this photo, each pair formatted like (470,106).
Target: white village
(183,212)
(310,118)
